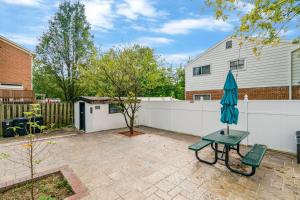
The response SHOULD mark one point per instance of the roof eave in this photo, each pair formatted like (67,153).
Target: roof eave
(217,44)
(16,45)
(205,52)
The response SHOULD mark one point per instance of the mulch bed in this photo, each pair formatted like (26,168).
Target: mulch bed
(54,186)
(128,134)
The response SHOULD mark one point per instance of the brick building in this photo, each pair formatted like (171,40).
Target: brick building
(15,72)
(274,74)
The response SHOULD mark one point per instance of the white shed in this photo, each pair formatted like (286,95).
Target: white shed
(93,114)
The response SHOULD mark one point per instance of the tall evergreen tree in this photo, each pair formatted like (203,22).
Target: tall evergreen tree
(66,47)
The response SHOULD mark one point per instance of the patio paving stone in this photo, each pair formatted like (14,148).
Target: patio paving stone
(158,166)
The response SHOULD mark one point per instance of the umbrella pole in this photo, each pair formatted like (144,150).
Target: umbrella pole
(227,129)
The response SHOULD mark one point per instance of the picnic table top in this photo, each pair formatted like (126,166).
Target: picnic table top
(234,137)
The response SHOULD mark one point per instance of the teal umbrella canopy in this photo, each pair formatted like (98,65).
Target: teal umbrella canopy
(229,112)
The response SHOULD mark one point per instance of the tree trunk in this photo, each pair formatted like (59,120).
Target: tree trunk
(131,130)
(31,173)
(131,125)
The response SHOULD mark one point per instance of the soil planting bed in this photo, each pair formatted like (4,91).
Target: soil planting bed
(53,186)
(128,134)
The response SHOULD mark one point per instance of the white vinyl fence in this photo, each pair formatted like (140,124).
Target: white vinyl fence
(273,123)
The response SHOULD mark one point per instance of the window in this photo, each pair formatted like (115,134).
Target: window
(237,64)
(201,70)
(114,108)
(197,97)
(229,44)
(11,86)
(97,107)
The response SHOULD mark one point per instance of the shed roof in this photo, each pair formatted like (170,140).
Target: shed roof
(107,100)
(96,100)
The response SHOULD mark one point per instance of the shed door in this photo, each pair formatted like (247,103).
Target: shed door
(82,116)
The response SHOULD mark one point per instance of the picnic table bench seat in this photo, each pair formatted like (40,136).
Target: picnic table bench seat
(255,155)
(199,145)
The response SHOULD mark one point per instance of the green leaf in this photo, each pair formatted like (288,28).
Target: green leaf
(51,142)
(4,156)
(45,197)
(37,161)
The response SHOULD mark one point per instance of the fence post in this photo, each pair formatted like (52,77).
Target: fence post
(14,111)
(1,117)
(246,113)
(51,112)
(65,114)
(56,115)
(202,129)
(60,114)
(19,110)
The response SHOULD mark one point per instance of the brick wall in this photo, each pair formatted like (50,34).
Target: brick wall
(296,92)
(15,65)
(259,93)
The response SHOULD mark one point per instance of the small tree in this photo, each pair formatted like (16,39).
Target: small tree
(31,151)
(123,74)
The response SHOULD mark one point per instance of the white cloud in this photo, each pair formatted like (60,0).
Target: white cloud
(180,58)
(143,41)
(176,58)
(22,2)
(132,9)
(152,41)
(243,7)
(185,26)
(100,14)
(138,27)
(288,33)
(22,39)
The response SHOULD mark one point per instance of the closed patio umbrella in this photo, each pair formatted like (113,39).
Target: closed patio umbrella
(229,112)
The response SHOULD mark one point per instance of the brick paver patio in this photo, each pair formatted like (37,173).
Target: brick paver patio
(158,165)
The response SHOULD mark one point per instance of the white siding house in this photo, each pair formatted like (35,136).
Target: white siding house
(261,77)
(296,67)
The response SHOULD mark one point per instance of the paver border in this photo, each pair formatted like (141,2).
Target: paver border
(79,189)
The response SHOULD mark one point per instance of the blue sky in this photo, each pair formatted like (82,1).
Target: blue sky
(176,29)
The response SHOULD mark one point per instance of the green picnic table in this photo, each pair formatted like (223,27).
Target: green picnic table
(231,142)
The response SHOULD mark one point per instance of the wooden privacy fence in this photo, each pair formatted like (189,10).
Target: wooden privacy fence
(60,114)
(13,96)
